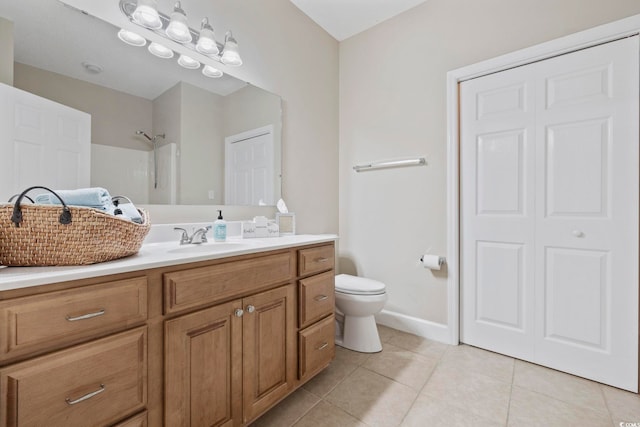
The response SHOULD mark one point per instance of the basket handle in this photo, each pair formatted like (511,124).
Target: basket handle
(16,218)
(16,195)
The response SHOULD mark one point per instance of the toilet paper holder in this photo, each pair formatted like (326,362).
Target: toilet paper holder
(432,262)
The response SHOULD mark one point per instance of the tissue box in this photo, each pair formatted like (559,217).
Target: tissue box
(248,229)
(260,227)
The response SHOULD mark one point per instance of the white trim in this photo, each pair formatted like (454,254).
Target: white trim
(413,325)
(598,35)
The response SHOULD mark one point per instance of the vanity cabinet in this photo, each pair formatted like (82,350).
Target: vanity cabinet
(216,342)
(44,322)
(316,293)
(203,367)
(139,420)
(91,384)
(227,364)
(269,349)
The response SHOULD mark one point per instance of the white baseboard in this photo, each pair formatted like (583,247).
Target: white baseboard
(413,325)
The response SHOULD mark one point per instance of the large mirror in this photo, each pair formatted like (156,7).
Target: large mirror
(160,133)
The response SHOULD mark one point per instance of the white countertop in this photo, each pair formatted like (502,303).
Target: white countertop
(153,255)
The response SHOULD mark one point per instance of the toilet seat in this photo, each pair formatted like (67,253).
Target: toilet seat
(352,285)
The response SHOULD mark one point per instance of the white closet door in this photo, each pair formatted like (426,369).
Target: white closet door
(562,289)
(249,168)
(587,213)
(42,143)
(497,212)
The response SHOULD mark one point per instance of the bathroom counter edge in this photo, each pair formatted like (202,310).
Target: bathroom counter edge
(149,256)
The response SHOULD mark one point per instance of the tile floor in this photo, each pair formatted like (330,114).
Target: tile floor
(418,382)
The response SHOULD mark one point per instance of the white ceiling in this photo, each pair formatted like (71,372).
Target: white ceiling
(345,18)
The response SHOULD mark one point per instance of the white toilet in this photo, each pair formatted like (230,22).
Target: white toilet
(357,301)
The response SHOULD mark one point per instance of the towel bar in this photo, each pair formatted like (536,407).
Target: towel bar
(419,161)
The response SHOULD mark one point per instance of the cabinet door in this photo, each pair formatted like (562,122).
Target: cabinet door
(269,342)
(203,363)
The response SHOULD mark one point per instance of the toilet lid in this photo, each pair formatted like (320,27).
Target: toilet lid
(353,285)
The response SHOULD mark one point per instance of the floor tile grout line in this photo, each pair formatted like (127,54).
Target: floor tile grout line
(563,400)
(305,412)
(513,376)
(606,403)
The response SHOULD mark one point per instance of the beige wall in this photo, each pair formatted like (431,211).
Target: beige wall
(115,116)
(392,104)
(201,147)
(6,51)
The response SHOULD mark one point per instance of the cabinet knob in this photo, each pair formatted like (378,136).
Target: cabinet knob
(239,312)
(251,308)
(578,233)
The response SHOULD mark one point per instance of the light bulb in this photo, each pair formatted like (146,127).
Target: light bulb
(160,51)
(178,28)
(129,37)
(188,62)
(207,41)
(230,55)
(146,14)
(212,72)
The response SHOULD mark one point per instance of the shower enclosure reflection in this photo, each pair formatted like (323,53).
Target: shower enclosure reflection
(154,145)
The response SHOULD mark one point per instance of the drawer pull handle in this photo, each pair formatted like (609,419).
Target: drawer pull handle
(86,316)
(323,346)
(320,298)
(86,396)
(321,259)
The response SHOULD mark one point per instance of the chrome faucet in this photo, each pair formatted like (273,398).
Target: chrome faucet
(185,239)
(203,235)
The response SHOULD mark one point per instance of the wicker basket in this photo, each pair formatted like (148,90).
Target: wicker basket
(39,235)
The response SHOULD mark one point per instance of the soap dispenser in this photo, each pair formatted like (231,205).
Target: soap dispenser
(220,228)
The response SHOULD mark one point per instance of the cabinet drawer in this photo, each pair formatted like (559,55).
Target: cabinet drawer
(200,286)
(139,420)
(317,297)
(315,260)
(316,347)
(50,321)
(91,384)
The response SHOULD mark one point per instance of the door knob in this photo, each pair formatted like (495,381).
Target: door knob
(251,308)
(578,233)
(239,312)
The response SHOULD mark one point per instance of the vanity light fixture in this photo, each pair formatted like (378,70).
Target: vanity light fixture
(146,14)
(207,41)
(176,28)
(160,51)
(230,55)
(188,62)
(212,72)
(129,37)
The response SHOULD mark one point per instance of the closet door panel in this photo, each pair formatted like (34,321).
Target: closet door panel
(587,213)
(497,185)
